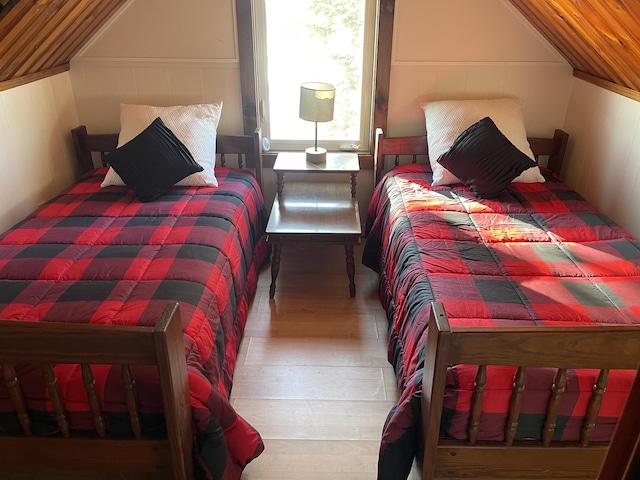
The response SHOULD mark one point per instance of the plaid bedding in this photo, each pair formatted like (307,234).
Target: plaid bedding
(98,255)
(538,254)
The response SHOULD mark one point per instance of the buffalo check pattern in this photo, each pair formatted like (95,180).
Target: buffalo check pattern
(98,255)
(538,254)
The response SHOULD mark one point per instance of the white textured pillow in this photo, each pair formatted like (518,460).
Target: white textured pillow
(447,119)
(194,125)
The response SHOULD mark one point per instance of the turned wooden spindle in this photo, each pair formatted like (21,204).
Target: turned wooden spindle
(553,407)
(476,403)
(593,409)
(515,404)
(132,401)
(90,386)
(17,398)
(56,399)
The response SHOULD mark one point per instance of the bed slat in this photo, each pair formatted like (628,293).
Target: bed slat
(132,401)
(553,406)
(17,398)
(476,402)
(595,402)
(56,399)
(515,404)
(90,386)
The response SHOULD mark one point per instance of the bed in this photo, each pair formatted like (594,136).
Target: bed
(514,320)
(121,322)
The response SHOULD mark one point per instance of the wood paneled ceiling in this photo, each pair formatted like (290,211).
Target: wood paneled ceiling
(599,38)
(38,38)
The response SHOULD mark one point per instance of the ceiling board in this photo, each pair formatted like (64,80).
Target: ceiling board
(598,37)
(40,36)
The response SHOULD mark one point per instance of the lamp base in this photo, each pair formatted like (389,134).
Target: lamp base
(316,155)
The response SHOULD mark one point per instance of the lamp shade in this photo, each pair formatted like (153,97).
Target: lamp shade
(316,101)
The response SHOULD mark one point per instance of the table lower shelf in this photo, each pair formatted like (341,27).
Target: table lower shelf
(321,213)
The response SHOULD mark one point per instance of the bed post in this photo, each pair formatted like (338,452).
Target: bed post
(560,140)
(377,149)
(257,146)
(83,155)
(433,386)
(623,456)
(172,369)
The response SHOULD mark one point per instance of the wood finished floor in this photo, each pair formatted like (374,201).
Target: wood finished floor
(312,373)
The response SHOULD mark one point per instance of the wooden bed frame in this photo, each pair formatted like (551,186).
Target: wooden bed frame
(246,148)
(600,348)
(415,147)
(103,456)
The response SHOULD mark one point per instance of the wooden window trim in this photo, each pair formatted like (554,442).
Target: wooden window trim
(244,16)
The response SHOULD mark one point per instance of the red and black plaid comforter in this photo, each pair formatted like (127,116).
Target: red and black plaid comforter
(539,254)
(96,255)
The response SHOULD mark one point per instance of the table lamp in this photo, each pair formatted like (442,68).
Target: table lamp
(316,105)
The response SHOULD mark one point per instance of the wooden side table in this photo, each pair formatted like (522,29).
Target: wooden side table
(295,162)
(315,212)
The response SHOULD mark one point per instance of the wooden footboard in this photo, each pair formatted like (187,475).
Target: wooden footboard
(601,348)
(68,455)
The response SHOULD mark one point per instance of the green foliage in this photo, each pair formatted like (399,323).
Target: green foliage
(334,18)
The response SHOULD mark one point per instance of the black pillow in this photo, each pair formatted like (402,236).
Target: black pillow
(153,162)
(484,159)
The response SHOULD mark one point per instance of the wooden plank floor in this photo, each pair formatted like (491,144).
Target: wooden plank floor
(312,373)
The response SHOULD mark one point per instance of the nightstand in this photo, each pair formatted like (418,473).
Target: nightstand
(315,212)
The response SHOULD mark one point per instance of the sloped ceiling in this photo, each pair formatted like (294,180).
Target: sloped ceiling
(38,38)
(599,38)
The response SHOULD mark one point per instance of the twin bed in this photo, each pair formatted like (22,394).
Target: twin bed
(514,320)
(121,321)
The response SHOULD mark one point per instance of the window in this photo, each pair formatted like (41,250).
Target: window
(330,41)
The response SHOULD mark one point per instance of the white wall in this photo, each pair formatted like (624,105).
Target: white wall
(603,162)
(473,49)
(152,52)
(36,152)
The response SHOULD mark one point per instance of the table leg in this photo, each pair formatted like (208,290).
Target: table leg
(351,269)
(275,267)
(279,183)
(353,184)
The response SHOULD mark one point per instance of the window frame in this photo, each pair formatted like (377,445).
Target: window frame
(382,69)
(263,93)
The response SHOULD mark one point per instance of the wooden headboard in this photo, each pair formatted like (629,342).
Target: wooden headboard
(246,148)
(416,147)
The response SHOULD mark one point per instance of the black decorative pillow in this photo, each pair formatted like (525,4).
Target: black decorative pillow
(484,159)
(152,162)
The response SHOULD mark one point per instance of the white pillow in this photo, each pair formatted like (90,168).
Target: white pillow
(195,126)
(447,119)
